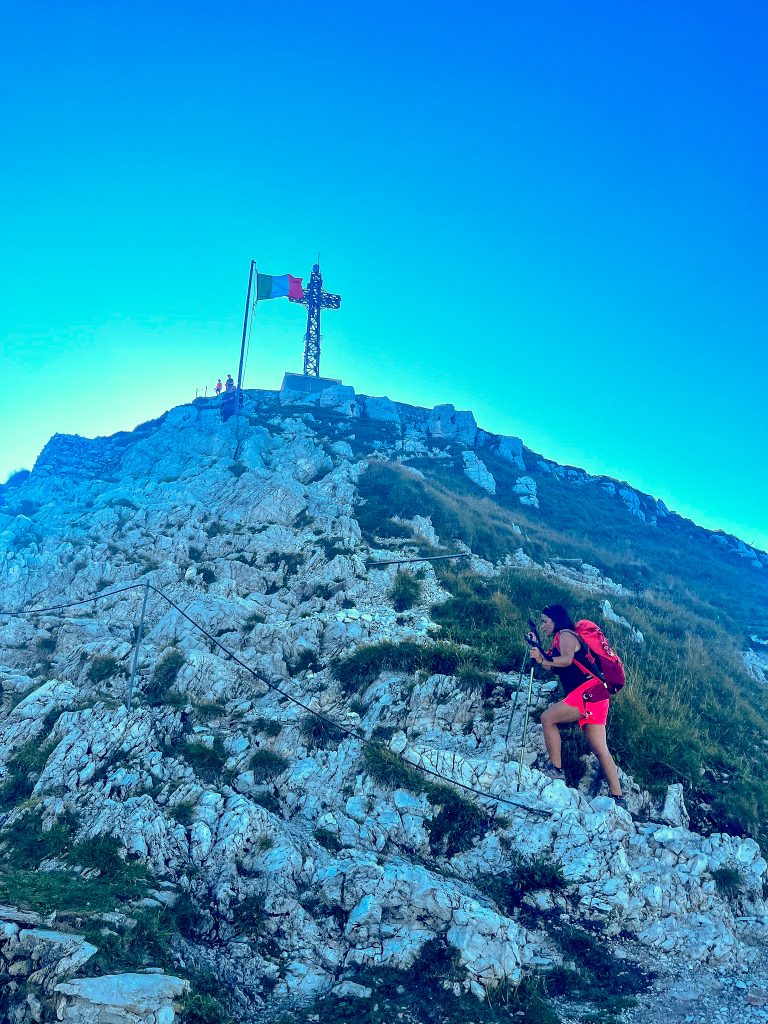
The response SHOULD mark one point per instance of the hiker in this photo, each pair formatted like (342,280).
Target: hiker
(230,385)
(218,387)
(566,648)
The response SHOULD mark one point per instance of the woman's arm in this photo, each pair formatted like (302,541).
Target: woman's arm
(569,645)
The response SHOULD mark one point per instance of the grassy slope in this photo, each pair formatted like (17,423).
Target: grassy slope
(690,712)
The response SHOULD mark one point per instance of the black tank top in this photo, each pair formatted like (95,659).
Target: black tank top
(571,676)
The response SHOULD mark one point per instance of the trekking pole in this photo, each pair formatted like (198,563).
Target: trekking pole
(525,727)
(517,694)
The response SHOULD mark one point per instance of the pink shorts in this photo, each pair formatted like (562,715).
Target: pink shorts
(592,712)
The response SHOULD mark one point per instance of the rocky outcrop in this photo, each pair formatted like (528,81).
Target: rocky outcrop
(242,787)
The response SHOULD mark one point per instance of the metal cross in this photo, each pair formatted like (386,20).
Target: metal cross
(315,299)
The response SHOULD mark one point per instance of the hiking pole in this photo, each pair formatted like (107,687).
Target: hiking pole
(518,688)
(525,727)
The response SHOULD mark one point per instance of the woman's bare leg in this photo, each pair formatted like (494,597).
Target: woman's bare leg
(552,717)
(599,744)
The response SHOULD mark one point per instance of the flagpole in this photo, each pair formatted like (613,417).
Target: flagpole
(245,331)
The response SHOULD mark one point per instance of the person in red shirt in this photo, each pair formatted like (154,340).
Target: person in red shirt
(218,387)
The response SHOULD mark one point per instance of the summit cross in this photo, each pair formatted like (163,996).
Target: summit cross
(315,299)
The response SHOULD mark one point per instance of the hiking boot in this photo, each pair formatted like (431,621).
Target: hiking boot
(554,773)
(620,801)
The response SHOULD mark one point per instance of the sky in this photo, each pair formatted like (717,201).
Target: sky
(553,214)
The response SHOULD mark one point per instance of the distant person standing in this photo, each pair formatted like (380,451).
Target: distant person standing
(230,385)
(218,387)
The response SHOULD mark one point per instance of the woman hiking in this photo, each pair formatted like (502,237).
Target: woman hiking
(567,648)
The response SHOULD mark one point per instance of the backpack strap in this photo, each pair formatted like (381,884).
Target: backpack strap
(592,670)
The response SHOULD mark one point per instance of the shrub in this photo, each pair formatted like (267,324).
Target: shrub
(268,801)
(183,812)
(23,769)
(268,726)
(319,732)
(104,667)
(203,1009)
(266,764)
(528,874)
(254,619)
(405,591)
(307,661)
(729,882)
(287,559)
(196,554)
(159,689)
(207,575)
(250,914)
(207,762)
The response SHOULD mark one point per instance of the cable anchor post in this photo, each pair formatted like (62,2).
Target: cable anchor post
(139,635)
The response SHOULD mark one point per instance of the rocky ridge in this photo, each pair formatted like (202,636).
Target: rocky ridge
(302,868)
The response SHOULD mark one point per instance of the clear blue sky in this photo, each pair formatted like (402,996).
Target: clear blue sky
(553,214)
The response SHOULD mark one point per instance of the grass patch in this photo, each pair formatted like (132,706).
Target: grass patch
(729,883)
(207,762)
(405,591)
(104,667)
(319,733)
(362,668)
(253,620)
(528,874)
(23,770)
(266,764)
(159,689)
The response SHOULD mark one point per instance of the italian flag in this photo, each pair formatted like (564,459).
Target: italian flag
(269,287)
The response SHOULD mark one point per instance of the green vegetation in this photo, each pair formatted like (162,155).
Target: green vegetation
(729,882)
(250,914)
(319,733)
(23,769)
(363,667)
(207,761)
(252,620)
(267,726)
(104,667)
(24,845)
(159,689)
(327,839)
(596,977)
(288,560)
(528,874)
(425,994)
(266,764)
(458,822)
(405,591)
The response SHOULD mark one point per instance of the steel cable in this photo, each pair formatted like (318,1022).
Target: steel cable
(372,744)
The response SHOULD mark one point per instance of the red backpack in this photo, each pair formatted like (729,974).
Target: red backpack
(602,661)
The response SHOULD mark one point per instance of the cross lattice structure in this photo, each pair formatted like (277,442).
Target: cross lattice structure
(315,299)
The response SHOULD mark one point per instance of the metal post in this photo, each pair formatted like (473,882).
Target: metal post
(525,729)
(245,328)
(138,645)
